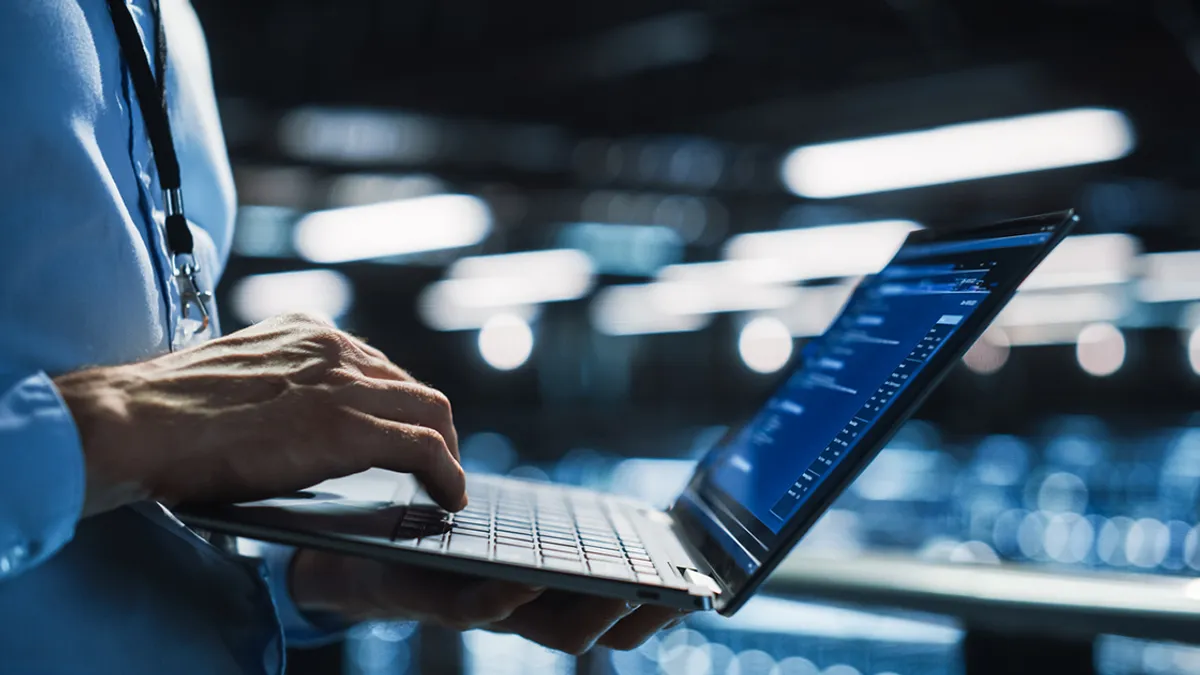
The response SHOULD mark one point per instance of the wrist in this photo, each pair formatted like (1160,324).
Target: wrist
(315,584)
(99,408)
(309,581)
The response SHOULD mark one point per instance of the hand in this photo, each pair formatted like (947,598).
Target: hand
(359,589)
(268,410)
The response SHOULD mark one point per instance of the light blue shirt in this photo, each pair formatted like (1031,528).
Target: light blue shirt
(84,281)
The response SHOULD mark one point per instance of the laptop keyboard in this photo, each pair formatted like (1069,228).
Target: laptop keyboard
(534,525)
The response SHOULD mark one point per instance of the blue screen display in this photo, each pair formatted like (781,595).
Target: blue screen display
(892,326)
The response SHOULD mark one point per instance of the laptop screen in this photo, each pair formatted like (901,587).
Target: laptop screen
(853,383)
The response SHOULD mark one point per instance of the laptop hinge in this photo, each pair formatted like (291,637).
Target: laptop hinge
(710,578)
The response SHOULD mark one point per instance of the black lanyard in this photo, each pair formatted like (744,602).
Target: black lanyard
(151,90)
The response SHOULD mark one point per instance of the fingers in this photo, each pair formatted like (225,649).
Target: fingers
(410,448)
(452,600)
(407,402)
(564,621)
(636,628)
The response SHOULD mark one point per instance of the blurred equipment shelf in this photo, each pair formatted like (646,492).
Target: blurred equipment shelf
(1004,598)
(1017,619)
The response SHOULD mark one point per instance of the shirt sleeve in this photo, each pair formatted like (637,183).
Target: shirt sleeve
(301,629)
(41,472)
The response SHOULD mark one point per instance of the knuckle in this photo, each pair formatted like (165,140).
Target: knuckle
(305,318)
(341,375)
(428,445)
(441,402)
(332,338)
(433,444)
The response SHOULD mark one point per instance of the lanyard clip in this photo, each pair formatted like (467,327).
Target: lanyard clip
(190,292)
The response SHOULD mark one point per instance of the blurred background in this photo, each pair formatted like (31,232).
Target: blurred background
(549,211)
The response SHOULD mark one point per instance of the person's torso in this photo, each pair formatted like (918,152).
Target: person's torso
(85,281)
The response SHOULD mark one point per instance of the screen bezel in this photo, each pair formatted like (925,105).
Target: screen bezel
(738,586)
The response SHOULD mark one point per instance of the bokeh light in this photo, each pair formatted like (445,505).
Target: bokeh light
(505,342)
(765,345)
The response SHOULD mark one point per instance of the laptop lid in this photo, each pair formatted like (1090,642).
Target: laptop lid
(766,483)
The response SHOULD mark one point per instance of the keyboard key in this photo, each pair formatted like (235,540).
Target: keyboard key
(469,527)
(557,539)
(603,555)
(563,565)
(612,570)
(553,548)
(515,554)
(484,534)
(648,578)
(592,545)
(477,520)
(471,546)
(565,555)
(512,541)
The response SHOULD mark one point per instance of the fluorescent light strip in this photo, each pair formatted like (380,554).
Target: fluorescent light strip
(393,228)
(1170,277)
(829,251)
(1092,260)
(959,152)
(440,307)
(1041,309)
(638,309)
(531,277)
(322,292)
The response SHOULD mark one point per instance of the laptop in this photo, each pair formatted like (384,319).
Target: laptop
(751,498)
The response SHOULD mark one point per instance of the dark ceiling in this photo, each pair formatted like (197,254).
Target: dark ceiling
(760,75)
(655,65)
(752,78)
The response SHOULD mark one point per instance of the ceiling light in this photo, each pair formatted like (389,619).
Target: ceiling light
(1037,309)
(393,228)
(765,345)
(1170,277)
(522,278)
(325,293)
(505,342)
(1100,349)
(959,152)
(822,252)
(814,308)
(638,309)
(989,353)
(1091,260)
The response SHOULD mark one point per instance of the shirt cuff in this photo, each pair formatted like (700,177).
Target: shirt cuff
(42,479)
(302,629)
